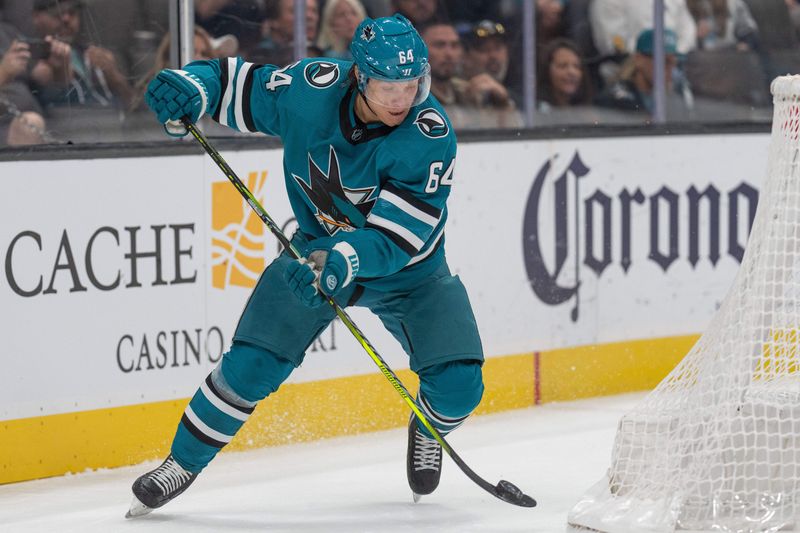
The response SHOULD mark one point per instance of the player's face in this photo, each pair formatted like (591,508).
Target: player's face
(391,100)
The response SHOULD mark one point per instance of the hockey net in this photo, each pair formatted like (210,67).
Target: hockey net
(716,446)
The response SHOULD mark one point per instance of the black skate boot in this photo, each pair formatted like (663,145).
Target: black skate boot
(423,461)
(157,487)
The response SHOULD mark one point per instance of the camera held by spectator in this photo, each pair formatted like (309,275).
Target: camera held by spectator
(75,72)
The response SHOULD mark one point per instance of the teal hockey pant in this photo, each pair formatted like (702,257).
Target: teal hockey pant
(449,392)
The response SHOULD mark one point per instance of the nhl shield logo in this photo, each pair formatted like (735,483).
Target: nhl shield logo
(431,123)
(321,74)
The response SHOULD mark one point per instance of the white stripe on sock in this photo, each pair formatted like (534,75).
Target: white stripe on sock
(221,405)
(199,424)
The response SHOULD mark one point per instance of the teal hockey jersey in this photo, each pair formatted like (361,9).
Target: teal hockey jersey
(381,189)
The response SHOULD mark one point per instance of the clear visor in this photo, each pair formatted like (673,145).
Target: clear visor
(398,95)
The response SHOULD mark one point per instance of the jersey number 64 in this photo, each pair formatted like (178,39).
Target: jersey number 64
(436,177)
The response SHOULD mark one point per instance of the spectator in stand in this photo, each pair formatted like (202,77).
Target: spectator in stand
(563,78)
(21,121)
(277,31)
(487,50)
(87,74)
(724,24)
(550,23)
(480,102)
(421,12)
(240,18)
(205,47)
(634,90)
(616,24)
(340,18)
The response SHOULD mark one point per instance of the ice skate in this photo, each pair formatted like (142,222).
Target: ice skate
(423,461)
(157,487)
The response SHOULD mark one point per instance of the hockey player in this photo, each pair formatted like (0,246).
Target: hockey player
(368,164)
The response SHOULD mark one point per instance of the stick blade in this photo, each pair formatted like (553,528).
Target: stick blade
(508,492)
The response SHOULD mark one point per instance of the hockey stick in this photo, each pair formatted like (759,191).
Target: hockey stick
(504,490)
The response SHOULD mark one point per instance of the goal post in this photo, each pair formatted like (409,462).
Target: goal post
(716,445)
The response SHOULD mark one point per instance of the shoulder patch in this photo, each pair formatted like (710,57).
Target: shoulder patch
(431,123)
(321,74)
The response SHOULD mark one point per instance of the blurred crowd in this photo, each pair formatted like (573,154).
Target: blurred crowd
(76,70)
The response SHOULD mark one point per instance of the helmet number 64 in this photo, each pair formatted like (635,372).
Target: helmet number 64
(406,57)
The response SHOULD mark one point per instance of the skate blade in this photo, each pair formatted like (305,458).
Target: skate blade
(417,497)
(137,509)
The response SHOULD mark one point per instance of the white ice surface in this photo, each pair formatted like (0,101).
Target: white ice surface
(351,484)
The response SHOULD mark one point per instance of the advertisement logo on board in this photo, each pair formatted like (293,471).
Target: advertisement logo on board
(572,229)
(238,236)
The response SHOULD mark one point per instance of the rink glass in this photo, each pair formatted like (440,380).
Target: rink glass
(718,81)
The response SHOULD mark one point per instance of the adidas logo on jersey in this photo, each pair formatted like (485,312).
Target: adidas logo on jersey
(431,123)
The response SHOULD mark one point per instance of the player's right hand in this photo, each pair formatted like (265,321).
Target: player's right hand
(174,94)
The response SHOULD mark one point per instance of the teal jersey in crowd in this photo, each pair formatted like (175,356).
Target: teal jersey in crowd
(382,189)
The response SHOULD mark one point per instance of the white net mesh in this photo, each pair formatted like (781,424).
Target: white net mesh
(716,446)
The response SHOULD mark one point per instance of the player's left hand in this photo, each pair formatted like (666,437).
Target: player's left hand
(173,94)
(330,267)
(301,278)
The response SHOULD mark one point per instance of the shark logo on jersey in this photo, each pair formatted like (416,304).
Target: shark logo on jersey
(431,123)
(367,33)
(321,74)
(338,208)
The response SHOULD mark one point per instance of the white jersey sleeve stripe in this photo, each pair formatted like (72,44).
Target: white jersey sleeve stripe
(397,229)
(228,94)
(403,205)
(238,105)
(432,248)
